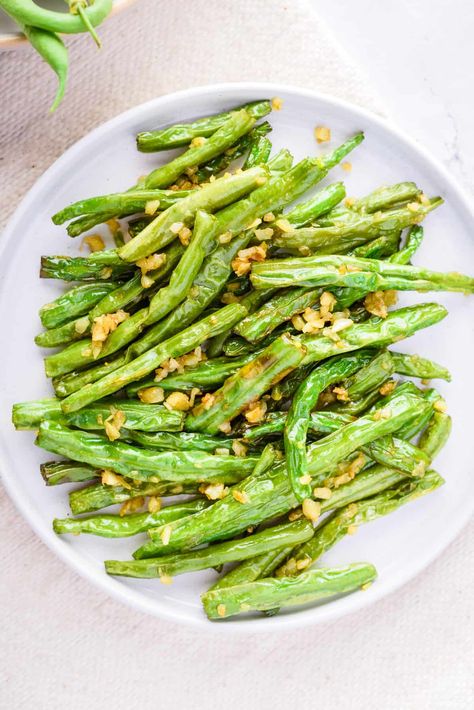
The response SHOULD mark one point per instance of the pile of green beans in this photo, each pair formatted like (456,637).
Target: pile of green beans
(232,354)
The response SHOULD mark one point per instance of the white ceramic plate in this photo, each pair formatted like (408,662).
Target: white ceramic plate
(106,160)
(11,37)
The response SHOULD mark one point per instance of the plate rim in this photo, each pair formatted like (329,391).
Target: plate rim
(132,597)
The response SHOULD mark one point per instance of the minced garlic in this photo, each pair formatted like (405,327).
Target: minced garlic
(151,395)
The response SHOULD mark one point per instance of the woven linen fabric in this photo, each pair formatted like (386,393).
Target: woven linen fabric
(66,644)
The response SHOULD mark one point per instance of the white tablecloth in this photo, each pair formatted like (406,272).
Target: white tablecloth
(64,643)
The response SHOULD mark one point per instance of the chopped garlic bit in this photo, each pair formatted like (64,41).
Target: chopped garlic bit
(256,412)
(151,395)
(323,493)
(154,504)
(322,134)
(110,478)
(132,505)
(242,262)
(264,234)
(184,236)
(221,609)
(377,303)
(305,480)
(424,199)
(341,324)
(352,529)
(268,217)
(106,273)
(349,202)
(165,534)
(387,387)
(197,142)
(103,326)
(283,225)
(179,364)
(208,400)
(94,242)
(341,394)
(413,206)
(114,226)
(277,103)
(176,227)
(225,427)
(214,491)
(150,263)
(440,406)
(346,166)
(225,238)
(166,579)
(311,509)
(348,470)
(240,496)
(114,423)
(222,452)
(151,207)
(178,401)
(238,448)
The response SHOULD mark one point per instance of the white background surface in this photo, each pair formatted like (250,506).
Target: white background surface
(64,642)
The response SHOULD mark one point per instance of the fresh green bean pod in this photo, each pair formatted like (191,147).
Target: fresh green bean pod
(252,569)
(412,244)
(127,525)
(270,539)
(270,593)
(74,381)
(380,248)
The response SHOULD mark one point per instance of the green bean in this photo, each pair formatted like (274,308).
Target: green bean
(78,301)
(417,366)
(229,133)
(222,161)
(298,418)
(270,593)
(179,135)
(436,434)
(98,495)
(127,525)
(270,539)
(347,519)
(54,52)
(259,152)
(57,472)
(29,12)
(184,441)
(119,204)
(321,202)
